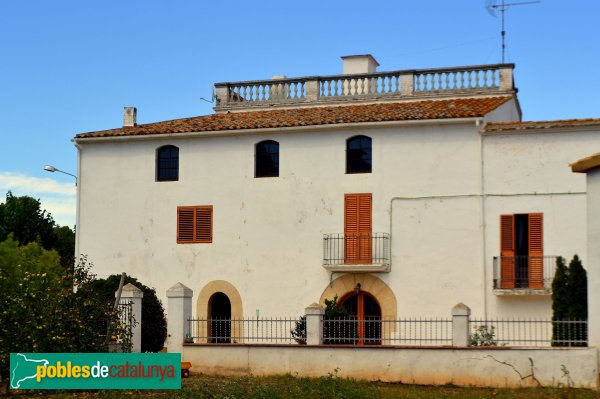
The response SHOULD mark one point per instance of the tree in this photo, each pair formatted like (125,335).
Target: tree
(41,312)
(24,218)
(569,303)
(154,323)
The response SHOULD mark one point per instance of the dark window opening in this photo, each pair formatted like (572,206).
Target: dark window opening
(267,159)
(358,154)
(167,163)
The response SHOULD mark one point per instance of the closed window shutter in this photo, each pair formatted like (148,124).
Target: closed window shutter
(185,224)
(194,224)
(204,224)
(507,251)
(536,251)
(357,228)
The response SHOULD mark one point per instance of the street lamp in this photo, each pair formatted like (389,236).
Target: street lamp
(50,168)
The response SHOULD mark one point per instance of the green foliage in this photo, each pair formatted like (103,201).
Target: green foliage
(484,336)
(154,323)
(24,218)
(41,311)
(333,333)
(569,302)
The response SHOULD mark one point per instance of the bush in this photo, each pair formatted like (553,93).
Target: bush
(41,312)
(484,336)
(154,323)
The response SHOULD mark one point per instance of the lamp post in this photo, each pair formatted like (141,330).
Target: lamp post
(50,168)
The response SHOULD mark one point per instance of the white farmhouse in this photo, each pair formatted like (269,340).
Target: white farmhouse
(403,193)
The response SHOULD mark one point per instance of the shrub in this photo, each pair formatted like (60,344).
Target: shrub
(484,336)
(569,303)
(41,312)
(154,323)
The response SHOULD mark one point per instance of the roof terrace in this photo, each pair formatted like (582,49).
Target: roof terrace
(360,83)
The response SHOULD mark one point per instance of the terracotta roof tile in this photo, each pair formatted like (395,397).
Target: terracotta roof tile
(529,125)
(293,117)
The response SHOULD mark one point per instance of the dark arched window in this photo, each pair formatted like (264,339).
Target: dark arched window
(167,163)
(266,159)
(358,154)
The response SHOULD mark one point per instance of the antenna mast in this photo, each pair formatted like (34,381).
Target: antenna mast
(492,7)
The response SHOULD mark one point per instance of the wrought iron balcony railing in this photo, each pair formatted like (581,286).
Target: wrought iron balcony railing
(524,272)
(356,252)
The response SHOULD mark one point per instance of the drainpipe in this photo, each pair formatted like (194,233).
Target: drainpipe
(482,224)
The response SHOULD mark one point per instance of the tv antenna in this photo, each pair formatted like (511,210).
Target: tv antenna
(499,5)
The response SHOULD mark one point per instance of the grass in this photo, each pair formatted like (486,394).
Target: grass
(330,387)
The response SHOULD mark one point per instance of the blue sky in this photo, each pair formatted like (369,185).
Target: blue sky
(70,66)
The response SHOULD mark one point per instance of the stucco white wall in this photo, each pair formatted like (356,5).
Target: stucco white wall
(593,186)
(268,232)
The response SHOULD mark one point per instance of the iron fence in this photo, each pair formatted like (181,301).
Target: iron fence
(265,330)
(528,333)
(377,331)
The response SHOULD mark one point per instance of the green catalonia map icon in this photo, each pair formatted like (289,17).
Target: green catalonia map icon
(23,368)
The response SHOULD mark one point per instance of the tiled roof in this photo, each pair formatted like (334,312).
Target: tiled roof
(503,126)
(294,117)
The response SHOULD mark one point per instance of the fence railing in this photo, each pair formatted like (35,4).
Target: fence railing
(404,83)
(349,249)
(528,332)
(371,331)
(377,331)
(519,272)
(265,330)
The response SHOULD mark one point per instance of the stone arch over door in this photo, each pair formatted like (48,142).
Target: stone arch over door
(203,305)
(369,283)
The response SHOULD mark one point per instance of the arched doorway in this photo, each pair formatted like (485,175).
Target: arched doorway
(219,314)
(365,310)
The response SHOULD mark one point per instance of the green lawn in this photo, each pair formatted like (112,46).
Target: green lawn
(201,386)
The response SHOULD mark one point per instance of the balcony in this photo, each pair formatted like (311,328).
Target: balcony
(524,275)
(357,253)
(365,87)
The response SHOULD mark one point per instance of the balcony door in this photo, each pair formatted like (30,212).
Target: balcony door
(358,228)
(521,251)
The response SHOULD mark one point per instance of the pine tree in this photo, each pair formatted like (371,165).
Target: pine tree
(578,310)
(560,301)
(569,303)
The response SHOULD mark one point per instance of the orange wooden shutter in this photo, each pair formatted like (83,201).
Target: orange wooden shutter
(536,251)
(194,224)
(357,228)
(203,228)
(507,251)
(364,228)
(185,224)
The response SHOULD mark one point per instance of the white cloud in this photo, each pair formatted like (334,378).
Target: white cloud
(23,183)
(58,198)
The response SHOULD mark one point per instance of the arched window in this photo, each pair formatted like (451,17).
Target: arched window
(358,154)
(266,162)
(167,163)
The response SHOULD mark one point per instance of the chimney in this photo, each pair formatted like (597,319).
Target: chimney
(130,117)
(359,64)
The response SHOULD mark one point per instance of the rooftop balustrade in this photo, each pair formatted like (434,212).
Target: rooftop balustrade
(367,87)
